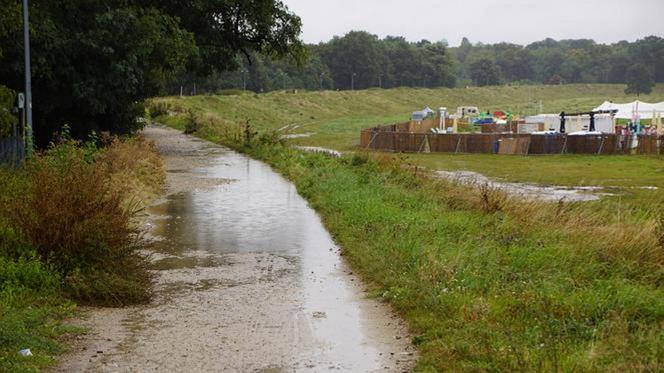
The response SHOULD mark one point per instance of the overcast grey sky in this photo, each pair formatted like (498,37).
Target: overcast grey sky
(488,21)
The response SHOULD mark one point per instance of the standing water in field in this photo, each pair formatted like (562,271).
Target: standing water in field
(248,279)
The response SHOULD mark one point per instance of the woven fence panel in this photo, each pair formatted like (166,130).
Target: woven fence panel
(649,144)
(443,143)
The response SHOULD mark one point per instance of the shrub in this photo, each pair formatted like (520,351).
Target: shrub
(71,212)
(158,109)
(192,123)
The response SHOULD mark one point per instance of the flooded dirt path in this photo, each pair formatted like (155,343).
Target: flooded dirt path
(248,279)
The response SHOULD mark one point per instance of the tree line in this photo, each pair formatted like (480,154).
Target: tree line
(360,60)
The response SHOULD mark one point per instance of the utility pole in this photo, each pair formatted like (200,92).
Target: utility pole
(352,81)
(28,78)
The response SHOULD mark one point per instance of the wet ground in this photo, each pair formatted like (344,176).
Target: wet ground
(248,279)
(546,193)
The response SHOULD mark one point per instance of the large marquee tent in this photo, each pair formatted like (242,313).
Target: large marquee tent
(645,110)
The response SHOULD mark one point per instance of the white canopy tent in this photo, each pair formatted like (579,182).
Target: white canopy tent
(626,111)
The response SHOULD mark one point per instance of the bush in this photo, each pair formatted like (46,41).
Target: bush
(192,123)
(78,220)
(158,109)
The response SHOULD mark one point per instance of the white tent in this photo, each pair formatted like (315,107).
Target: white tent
(627,111)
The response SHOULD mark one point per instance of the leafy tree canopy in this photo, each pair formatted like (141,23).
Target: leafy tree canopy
(639,80)
(94,61)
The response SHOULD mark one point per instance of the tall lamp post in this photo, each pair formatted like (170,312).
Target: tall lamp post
(28,79)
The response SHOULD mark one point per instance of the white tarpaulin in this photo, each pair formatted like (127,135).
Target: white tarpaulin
(627,111)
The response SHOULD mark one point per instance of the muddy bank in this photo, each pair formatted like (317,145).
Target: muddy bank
(248,279)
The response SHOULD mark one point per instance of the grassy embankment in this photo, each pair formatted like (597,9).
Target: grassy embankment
(67,236)
(335,119)
(484,281)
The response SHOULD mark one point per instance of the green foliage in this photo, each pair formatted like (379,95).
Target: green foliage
(30,313)
(10,18)
(394,62)
(7,102)
(158,109)
(95,61)
(192,123)
(568,61)
(639,80)
(66,207)
(485,72)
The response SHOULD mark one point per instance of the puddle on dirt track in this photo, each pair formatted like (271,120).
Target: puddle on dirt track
(248,279)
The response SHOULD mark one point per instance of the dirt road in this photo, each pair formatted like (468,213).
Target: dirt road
(248,280)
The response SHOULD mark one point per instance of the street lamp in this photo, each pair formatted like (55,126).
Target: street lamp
(28,79)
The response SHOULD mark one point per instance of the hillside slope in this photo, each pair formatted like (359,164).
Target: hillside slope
(334,118)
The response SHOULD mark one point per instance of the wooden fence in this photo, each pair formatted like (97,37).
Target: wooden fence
(388,139)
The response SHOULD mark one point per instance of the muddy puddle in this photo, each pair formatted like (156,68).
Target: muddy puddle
(545,193)
(248,279)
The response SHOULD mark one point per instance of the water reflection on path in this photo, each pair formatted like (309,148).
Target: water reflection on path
(251,210)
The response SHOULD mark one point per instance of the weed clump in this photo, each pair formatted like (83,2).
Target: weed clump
(77,210)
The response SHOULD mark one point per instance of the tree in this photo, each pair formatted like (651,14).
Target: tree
(484,72)
(94,61)
(639,80)
(354,60)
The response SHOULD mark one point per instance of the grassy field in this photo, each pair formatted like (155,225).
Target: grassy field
(486,282)
(335,118)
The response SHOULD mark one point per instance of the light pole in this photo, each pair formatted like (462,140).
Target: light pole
(352,81)
(28,78)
